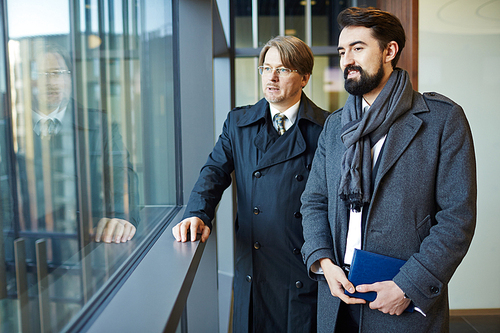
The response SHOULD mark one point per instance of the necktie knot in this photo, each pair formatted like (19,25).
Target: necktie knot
(48,127)
(280,121)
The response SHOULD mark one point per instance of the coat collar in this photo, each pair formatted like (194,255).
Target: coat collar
(259,112)
(292,143)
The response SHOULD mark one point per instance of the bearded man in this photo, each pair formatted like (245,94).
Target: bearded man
(394,174)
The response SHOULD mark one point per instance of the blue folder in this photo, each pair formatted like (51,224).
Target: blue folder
(368,268)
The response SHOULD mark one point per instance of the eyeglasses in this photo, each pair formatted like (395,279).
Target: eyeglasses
(54,74)
(281,71)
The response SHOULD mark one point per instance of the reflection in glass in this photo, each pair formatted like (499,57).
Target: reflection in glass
(76,165)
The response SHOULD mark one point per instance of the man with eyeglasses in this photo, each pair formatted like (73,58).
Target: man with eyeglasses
(47,164)
(270,147)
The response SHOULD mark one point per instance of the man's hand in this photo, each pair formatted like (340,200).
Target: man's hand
(114,230)
(194,225)
(338,282)
(390,298)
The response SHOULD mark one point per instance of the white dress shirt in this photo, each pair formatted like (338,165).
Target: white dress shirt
(354,232)
(39,119)
(290,113)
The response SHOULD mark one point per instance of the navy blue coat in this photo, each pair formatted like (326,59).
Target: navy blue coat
(272,292)
(111,176)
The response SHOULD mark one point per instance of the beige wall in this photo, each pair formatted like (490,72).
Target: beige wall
(459,56)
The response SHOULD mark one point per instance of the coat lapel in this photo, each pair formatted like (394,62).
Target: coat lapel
(286,147)
(399,137)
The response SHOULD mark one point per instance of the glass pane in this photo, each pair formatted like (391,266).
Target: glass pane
(92,138)
(324,25)
(268,20)
(326,86)
(247,81)
(295,18)
(243,23)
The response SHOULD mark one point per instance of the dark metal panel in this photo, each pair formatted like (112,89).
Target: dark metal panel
(22,286)
(43,285)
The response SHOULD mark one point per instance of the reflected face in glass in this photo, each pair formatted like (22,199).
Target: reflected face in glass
(361,60)
(281,91)
(53,82)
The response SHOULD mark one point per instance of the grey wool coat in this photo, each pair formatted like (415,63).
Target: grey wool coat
(272,291)
(423,210)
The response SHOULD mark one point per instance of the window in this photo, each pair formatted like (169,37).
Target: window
(87,138)
(315,22)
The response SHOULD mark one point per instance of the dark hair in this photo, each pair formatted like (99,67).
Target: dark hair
(295,54)
(385,26)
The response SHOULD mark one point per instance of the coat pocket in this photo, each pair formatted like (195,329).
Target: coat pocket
(424,228)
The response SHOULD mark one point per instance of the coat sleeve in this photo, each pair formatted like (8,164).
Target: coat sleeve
(426,274)
(317,234)
(111,172)
(126,180)
(215,177)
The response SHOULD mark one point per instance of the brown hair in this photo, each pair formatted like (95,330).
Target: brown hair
(385,26)
(295,54)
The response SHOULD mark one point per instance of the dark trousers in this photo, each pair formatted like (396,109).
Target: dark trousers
(348,318)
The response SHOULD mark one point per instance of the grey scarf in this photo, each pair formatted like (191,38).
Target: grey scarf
(362,130)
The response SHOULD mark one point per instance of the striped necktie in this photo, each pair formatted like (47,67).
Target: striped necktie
(280,121)
(49,127)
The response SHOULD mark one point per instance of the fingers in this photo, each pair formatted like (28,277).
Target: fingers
(128,232)
(205,233)
(176,232)
(116,234)
(114,230)
(390,298)
(100,228)
(338,282)
(346,284)
(191,226)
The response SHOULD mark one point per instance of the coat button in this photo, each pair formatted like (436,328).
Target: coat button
(434,290)
(256,210)
(298,284)
(297,215)
(296,250)
(248,278)
(257,174)
(256,245)
(309,166)
(299,178)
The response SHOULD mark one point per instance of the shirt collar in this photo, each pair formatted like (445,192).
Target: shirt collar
(290,113)
(56,114)
(38,117)
(364,104)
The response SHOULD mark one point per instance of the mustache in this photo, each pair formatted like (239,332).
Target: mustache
(352,68)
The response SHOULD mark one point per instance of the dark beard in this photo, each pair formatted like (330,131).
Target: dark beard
(366,82)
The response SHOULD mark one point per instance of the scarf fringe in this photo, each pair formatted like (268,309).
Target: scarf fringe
(353,201)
